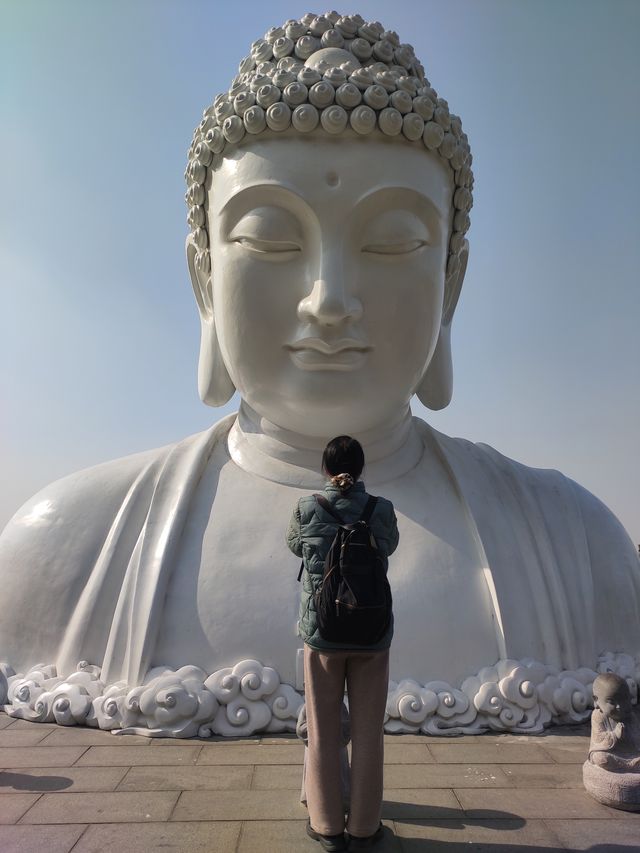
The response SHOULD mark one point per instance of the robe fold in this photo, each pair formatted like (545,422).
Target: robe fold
(87,565)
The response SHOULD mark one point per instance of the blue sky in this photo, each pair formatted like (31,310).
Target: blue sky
(98,328)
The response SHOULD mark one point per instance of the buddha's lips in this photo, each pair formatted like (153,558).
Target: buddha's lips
(317,354)
(324,348)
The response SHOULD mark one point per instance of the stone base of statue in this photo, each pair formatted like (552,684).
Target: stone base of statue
(516,697)
(618,790)
(329,192)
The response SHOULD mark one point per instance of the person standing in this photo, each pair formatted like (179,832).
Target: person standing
(329,665)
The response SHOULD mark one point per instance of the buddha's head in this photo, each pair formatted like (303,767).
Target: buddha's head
(612,696)
(329,197)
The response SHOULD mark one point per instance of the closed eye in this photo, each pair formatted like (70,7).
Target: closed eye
(267,247)
(272,231)
(394,248)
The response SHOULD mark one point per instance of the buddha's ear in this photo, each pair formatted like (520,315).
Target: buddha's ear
(436,388)
(214,383)
(200,274)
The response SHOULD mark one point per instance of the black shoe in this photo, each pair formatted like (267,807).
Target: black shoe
(357,842)
(329,842)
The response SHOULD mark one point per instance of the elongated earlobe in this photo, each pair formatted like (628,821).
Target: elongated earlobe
(214,383)
(436,389)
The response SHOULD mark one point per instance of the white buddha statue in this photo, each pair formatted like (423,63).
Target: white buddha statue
(329,197)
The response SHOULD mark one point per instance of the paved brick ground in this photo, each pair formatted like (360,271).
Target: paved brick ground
(89,791)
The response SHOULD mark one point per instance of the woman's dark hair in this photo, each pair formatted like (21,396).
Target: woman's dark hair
(343,455)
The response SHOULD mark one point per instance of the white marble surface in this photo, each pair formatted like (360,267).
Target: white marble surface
(326,298)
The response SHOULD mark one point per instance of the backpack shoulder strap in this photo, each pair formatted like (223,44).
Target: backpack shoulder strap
(324,503)
(368,509)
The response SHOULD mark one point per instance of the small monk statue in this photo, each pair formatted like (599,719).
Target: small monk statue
(615,730)
(611,773)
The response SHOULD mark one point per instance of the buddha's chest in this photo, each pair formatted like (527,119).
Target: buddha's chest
(235,540)
(234,592)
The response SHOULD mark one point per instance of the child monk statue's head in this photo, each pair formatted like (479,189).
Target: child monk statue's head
(612,696)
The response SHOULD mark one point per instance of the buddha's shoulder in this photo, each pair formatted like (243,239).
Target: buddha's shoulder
(476,458)
(93,497)
(484,471)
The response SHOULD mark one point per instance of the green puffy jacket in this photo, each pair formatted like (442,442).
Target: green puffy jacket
(310,535)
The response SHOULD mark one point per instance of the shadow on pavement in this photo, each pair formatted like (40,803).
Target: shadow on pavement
(423,845)
(453,821)
(25,782)
(394,810)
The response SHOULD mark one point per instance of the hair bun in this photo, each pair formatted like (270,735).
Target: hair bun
(343,481)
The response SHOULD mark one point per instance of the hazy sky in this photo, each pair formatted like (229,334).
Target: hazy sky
(98,327)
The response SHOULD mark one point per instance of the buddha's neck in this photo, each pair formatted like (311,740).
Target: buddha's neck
(276,453)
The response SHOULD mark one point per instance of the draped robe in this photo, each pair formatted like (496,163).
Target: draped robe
(106,566)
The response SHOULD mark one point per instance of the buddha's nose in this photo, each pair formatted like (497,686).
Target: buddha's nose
(329,303)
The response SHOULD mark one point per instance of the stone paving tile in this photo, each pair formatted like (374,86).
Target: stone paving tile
(107,807)
(61,779)
(486,739)
(621,814)
(390,842)
(198,778)
(551,733)
(551,737)
(281,777)
(535,803)
(410,738)
(218,837)
(40,756)
(103,756)
(407,753)
(444,776)
(33,839)
(421,804)
(557,737)
(274,836)
(235,754)
(539,804)
(286,737)
(543,775)
(85,736)
(591,834)
(198,741)
(568,754)
(13,806)
(22,737)
(5,720)
(421,738)
(28,724)
(472,836)
(239,805)
(478,753)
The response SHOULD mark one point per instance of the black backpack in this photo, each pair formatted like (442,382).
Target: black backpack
(353,601)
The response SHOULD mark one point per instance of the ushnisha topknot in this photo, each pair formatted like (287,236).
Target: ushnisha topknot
(336,74)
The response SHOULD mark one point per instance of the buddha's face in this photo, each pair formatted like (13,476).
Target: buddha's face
(328,275)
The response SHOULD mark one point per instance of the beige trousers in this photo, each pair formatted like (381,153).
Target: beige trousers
(366,675)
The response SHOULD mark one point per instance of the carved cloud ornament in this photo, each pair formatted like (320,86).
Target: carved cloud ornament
(523,697)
